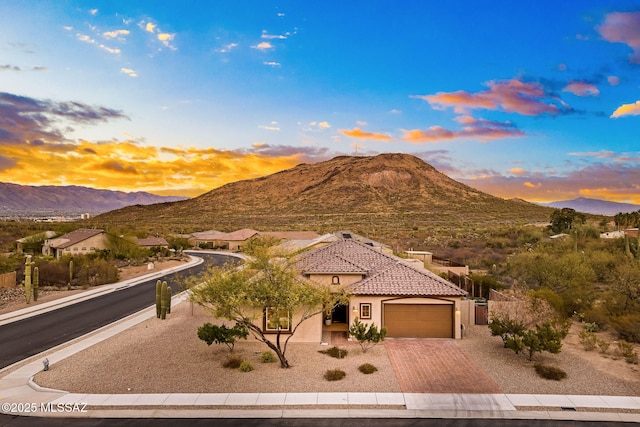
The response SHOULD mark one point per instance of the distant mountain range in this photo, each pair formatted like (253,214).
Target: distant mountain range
(593,206)
(51,200)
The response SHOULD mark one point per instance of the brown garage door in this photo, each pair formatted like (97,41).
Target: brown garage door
(419,320)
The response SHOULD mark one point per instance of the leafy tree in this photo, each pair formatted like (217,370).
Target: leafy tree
(367,337)
(565,219)
(545,337)
(267,283)
(222,335)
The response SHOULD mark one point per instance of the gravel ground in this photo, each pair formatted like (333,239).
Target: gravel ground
(586,374)
(167,356)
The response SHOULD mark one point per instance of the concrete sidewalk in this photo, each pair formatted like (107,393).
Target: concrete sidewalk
(19,395)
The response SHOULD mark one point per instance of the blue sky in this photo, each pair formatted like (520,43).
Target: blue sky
(537,100)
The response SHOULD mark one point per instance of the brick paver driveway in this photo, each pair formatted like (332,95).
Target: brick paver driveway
(436,366)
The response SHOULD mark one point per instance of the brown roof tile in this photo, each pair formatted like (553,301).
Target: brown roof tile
(74,237)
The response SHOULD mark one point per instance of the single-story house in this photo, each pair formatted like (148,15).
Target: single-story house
(78,242)
(410,302)
(152,242)
(34,242)
(203,237)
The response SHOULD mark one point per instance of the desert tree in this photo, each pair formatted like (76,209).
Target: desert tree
(267,295)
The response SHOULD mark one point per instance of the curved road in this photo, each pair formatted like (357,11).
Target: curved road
(25,338)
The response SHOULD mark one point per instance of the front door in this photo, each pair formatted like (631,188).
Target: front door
(339,314)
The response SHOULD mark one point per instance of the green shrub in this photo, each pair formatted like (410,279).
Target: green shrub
(367,337)
(222,335)
(589,340)
(338,353)
(550,372)
(603,345)
(267,357)
(627,351)
(245,366)
(232,363)
(367,368)
(591,327)
(334,375)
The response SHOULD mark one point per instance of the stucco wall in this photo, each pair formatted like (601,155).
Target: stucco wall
(86,246)
(377,302)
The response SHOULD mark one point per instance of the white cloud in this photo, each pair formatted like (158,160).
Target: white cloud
(272,63)
(93,12)
(115,33)
(227,48)
(114,51)
(150,27)
(263,46)
(267,36)
(129,72)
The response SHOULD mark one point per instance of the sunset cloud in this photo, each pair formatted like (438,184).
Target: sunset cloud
(615,181)
(482,130)
(579,88)
(129,72)
(360,134)
(627,110)
(511,96)
(623,27)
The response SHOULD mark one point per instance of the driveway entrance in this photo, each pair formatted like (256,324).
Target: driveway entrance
(436,366)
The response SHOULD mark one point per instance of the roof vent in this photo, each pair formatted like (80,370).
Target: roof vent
(346,235)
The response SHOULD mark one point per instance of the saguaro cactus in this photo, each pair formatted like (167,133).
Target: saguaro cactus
(168,299)
(158,297)
(163,301)
(36,282)
(27,278)
(70,272)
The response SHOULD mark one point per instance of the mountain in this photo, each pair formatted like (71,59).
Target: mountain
(388,193)
(50,200)
(593,206)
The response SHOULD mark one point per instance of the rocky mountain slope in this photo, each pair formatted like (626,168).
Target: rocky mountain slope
(372,195)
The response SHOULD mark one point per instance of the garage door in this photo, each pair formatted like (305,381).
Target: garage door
(418,320)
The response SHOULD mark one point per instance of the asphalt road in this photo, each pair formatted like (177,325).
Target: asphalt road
(16,421)
(25,338)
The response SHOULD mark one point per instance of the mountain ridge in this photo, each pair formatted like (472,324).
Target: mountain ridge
(371,195)
(26,200)
(593,206)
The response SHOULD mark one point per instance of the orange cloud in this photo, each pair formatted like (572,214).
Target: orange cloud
(582,89)
(623,27)
(627,110)
(359,133)
(482,130)
(517,171)
(512,96)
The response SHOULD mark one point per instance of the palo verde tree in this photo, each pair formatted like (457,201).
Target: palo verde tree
(267,295)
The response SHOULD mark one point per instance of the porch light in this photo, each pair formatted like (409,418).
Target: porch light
(356,312)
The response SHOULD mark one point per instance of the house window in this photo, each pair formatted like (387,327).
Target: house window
(275,320)
(365,310)
(68,249)
(84,248)
(335,280)
(75,249)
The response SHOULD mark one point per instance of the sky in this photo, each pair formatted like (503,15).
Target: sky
(533,100)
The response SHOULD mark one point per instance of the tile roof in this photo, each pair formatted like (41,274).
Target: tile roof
(74,237)
(385,274)
(404,280)
(152,241)
(237,236)
(344,253)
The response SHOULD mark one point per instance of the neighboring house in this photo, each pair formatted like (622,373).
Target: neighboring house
(612,235)
(78,242)
(152,242)
(295,245)
(410,302)
(204,237)
(631,232)
(438,264)
(33,243)
(364,240)
(232,241)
